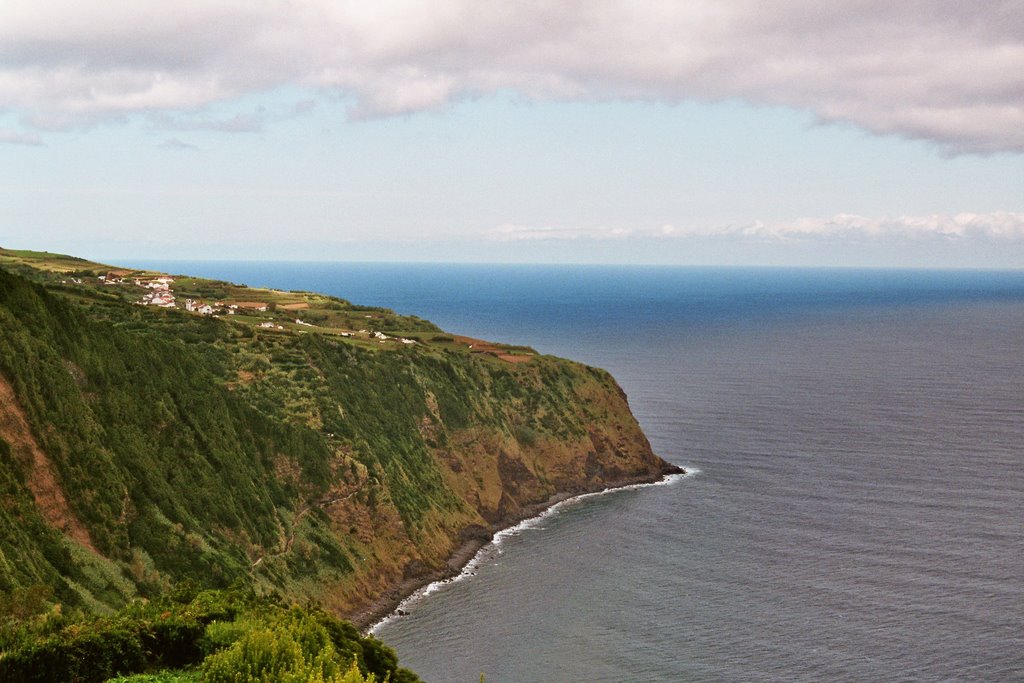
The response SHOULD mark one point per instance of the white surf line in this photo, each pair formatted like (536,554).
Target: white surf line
(530,523)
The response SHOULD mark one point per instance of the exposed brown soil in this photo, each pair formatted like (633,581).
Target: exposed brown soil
(246,377)
(42,479)
(515,357)
(497,350)
(477,344)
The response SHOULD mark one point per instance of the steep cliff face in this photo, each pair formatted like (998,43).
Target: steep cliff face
(143,446)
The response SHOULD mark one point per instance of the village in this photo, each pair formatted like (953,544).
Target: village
(267,310)
(159,292)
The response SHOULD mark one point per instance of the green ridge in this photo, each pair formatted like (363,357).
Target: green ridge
(311,459)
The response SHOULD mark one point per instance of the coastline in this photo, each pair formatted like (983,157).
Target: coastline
(475,539)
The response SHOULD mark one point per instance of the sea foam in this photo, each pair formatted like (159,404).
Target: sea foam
(493,548)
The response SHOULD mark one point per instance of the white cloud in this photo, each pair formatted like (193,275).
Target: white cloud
(239,123)
(997,226)
(519,233)
(989,226)
(943,70)
(19,137)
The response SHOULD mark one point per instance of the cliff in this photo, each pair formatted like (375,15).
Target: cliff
(291,441)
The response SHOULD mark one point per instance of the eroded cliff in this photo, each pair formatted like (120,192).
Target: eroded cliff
(342,457)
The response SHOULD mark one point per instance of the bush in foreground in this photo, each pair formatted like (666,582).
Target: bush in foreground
(288,649)
(210,636)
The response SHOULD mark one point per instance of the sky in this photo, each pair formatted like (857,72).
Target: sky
(703,132)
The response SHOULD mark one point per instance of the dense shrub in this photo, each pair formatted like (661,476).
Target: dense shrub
(76,655)
(289,648)
(228,635)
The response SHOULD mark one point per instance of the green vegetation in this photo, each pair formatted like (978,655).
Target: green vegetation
(212,636)
(324,461)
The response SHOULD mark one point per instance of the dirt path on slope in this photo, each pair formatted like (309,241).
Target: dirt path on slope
(42,478)
(303,510)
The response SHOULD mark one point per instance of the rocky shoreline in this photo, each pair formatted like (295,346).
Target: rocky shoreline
(475,537)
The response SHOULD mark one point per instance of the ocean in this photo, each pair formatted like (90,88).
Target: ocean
(855,508)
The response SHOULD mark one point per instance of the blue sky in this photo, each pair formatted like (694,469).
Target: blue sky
(613,163)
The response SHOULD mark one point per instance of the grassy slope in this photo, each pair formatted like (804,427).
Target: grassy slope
(314,460)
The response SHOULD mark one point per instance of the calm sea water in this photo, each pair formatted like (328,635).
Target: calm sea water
(858,514)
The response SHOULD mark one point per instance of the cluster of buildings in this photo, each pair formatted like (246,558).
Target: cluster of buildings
(193,306)
(383,338)
(160,293)
(222,308)
(219,307)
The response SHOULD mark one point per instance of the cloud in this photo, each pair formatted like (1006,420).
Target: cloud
(239,123)
(1000,227)
(17,137)
(520,233)
(178,145)
(941,70)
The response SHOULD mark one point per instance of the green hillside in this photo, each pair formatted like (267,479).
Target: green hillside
(287,441)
